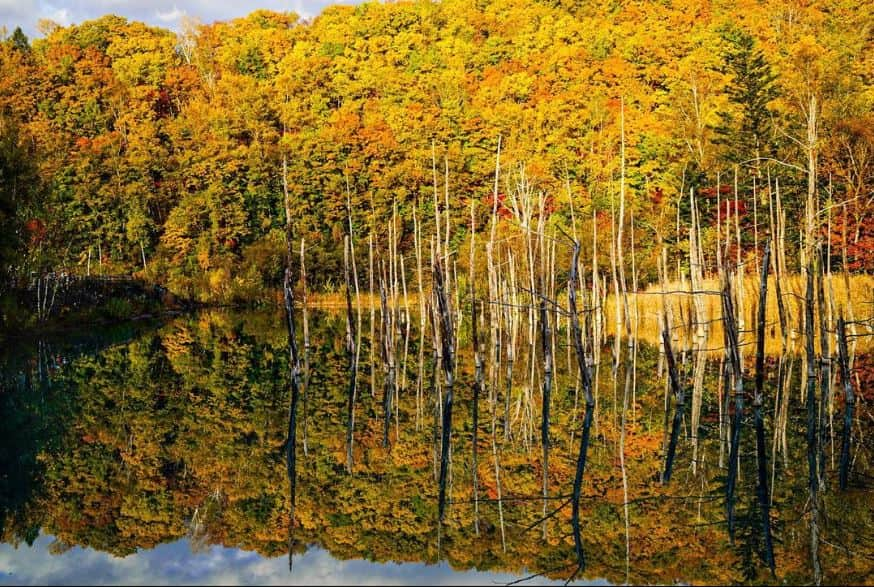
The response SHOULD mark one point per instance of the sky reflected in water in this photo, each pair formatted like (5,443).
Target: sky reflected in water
(161,455)
(175,564)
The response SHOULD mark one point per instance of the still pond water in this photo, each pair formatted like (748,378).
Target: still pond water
(159,454)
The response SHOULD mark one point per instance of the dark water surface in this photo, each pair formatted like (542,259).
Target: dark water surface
(159,454)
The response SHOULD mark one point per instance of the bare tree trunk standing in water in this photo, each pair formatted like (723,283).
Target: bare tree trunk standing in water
(620,258)
(775,240)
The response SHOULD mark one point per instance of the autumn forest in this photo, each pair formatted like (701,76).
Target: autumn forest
(550,289)
(128,149)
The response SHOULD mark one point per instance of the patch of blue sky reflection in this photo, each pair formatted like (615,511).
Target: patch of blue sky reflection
(176,563)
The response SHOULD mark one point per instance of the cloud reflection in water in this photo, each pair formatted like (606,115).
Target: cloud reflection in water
(175,563)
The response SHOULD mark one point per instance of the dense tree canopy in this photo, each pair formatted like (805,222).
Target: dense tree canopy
(163,153)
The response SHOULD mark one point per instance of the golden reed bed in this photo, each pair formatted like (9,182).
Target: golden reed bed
(646,307)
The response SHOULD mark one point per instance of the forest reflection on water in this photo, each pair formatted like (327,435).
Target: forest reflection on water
(129,440)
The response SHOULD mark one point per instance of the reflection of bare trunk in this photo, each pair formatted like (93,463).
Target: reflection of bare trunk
(779,401)
(372,317)
(478,378)
(291,463)
(420,378)
(294,382)
(784,437)
(546,338)
(825,366)
(498,470)
(436,396)
(849,398)
(445,317)
(812,438)
(388,357)
(597,303)
(626,390)
(677,389)
(812,451)
(586,380)
(697,397)
(513,319)
(417,245)
(477,388)
(730,327)
(403,368)
(814,537)
(547,372)
(724,391)
(306,342)
(764,497)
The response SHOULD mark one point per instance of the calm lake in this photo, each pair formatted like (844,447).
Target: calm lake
(159,453)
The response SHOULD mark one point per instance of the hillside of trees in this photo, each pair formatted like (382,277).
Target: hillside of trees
(128,149)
